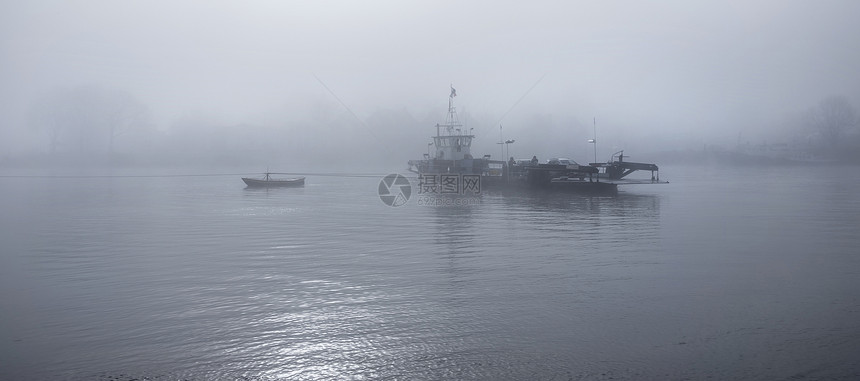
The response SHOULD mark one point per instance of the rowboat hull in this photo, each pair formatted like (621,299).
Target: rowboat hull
(270,183)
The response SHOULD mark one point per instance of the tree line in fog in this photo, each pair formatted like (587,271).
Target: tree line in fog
(97,124)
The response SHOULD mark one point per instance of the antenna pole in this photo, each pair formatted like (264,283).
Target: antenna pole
(595,140)
(502,142)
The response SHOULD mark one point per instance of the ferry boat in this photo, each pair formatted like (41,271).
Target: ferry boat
(452,155)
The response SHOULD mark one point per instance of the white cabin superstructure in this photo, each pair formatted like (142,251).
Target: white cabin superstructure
(453,152)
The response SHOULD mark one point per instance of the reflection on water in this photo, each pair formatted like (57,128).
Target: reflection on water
(177,278)
(454,229)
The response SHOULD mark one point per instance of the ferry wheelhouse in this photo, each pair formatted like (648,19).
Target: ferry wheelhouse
(452,153)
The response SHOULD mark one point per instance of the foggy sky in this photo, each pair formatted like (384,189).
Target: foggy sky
(665,73)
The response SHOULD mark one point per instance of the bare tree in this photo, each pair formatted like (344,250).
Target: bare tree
(122,112)
(834,117)
(81,116)
(46,116)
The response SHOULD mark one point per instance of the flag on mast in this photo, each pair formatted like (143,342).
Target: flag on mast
(453,92)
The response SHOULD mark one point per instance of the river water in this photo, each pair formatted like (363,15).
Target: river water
(738,273)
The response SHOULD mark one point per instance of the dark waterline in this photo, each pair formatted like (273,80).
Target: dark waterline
(718,274)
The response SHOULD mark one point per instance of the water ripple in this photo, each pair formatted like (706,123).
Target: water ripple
(162,279)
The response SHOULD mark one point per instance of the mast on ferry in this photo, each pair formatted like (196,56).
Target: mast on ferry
(452,123)
(450,141)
